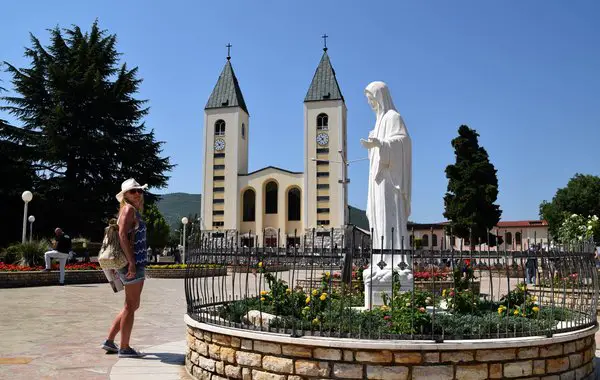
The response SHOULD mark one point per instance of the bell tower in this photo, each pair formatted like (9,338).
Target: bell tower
(226,136)
(325,192)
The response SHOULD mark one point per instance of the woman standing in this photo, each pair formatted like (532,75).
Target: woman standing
(132,236)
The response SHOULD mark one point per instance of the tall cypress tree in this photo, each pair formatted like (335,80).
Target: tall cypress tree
(472,190)
(76,103)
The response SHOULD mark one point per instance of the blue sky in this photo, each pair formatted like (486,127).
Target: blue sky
(523,74)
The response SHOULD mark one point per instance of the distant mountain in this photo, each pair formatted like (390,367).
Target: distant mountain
(358,217)
(175,206)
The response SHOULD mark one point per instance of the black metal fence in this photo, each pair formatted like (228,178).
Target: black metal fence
(314,289)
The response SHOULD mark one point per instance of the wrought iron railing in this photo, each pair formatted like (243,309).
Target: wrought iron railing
(318,289)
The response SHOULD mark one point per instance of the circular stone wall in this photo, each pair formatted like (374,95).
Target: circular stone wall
(219,353)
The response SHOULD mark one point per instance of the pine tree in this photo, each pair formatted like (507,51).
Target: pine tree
(78,102)
(472,190)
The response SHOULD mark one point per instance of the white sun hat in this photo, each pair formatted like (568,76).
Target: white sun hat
(127,185)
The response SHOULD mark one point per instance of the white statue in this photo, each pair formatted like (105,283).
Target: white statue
(388,204)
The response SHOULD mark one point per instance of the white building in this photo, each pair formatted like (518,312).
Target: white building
(273,199)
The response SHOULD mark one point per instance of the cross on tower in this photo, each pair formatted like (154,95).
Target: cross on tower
(228,46)
(324,37)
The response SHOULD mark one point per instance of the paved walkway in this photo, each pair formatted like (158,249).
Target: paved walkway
(55,333)
(164,362)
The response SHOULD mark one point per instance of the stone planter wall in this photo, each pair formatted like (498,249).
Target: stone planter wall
(180,273)
(246,269)
(218,353)
(428,286)
(513,273)
(38,278)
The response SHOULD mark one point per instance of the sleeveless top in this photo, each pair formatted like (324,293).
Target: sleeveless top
(139,240)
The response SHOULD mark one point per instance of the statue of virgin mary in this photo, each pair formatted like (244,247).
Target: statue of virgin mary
(390,177)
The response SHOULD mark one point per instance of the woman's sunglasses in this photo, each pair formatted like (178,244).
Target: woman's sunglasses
(136,191)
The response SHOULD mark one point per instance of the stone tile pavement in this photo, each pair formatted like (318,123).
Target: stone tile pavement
(55,333)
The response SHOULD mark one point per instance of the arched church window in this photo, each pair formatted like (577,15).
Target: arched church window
(425,240)
(271,198)
(249,206)
(518,239)
(220,128)
(322,121)
(294,204)
(243,130)
(434,241)
(508,238)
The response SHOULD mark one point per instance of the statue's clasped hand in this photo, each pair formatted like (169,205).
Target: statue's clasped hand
(371,142)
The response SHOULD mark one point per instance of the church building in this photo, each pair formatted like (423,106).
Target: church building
(266,202)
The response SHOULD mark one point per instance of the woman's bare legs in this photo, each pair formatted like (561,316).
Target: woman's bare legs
(124,320)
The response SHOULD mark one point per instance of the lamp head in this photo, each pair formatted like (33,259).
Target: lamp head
(27,196)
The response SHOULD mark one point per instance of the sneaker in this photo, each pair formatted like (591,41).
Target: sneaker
(110,346)
(129,353)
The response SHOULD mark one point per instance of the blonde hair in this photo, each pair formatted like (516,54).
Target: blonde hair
(124,202)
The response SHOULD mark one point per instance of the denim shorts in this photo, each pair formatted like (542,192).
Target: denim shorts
(140,274)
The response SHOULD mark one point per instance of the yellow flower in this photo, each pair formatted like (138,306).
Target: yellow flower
(444,293)
(288,290)
(533,298)
(262,299)
(323,297)
(264,292)
(315,321)
(516,312)
(327,274)
(384,308)
(260,264)
(535,309)
(308,299)
(315,292)
(501,309)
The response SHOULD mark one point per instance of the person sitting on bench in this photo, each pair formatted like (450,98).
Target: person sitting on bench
(62,248)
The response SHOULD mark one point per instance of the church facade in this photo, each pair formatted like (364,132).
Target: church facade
(275,206)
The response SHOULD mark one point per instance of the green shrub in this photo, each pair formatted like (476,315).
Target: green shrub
(9,255)
(29,253)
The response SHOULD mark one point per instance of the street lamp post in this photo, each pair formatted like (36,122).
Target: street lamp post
(27,196)
(184,220)
(31,220)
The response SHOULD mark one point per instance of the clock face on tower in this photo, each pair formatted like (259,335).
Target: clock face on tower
(322,139)
(219,145)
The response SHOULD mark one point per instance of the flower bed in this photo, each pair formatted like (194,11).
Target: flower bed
(69,267)
(14,276)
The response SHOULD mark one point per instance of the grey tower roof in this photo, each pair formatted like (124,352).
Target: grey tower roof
(227,91)
(324,85)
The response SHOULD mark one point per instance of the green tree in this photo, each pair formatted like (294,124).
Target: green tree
(472,190)
(158,230)
(78,112)
(16,153)
(581,196)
